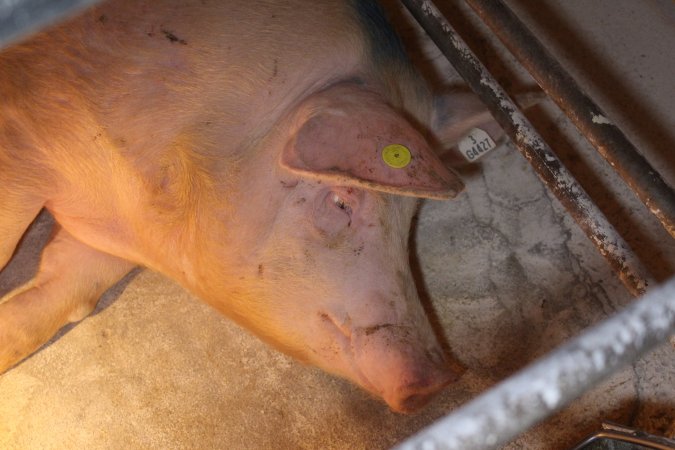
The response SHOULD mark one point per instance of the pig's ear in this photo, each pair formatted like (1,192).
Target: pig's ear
(465,128)
(349,136)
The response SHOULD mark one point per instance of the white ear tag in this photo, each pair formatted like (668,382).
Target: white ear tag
(475,144)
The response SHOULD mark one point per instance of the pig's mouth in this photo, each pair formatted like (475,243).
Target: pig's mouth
(342,336)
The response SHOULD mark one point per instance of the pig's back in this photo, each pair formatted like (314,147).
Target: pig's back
(143,70)
(108,95)
(100,106)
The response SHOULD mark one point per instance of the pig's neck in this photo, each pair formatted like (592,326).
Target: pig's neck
(204,230)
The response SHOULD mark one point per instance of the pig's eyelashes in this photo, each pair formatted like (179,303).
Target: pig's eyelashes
(333,210)
(342,204)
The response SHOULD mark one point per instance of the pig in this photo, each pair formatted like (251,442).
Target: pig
(267,156)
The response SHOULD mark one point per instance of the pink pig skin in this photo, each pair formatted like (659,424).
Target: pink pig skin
(236,148)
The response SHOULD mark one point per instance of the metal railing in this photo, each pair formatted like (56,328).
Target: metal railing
(510,408)
(592,122)
(503,412)
(544,161)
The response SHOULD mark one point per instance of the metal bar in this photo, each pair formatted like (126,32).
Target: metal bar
(592,122)
(514,405)
(545,163)
(618,433)
(19,18)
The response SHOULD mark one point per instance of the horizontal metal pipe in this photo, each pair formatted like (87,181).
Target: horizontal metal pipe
(592,122)
(19,18)
(503,412)
(545,163)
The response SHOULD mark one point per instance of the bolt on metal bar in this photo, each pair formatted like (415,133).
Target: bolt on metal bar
(514,405)
(545,163)
(607,138)
(18,18)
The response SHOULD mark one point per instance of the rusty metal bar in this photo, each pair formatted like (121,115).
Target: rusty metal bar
(19,18)
(592,122)
(503,412)
(545,163)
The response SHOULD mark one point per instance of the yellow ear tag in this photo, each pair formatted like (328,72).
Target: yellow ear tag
(396,156)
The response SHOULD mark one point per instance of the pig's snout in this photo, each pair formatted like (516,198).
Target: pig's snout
(414,398)
(396,364)
(415,390)
(407,378)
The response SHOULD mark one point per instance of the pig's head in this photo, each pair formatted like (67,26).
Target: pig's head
(325,277)
(337,268)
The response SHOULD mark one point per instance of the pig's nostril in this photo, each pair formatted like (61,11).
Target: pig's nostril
(436,356)
(414,397)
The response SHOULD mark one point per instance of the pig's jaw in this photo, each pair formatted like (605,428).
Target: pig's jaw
(404,381)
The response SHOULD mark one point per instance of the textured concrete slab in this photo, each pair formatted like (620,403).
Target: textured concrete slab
(506,275)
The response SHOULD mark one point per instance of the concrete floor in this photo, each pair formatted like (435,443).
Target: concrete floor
(508,273)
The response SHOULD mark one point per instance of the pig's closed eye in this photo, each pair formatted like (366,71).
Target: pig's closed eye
(333,210)
(342,204)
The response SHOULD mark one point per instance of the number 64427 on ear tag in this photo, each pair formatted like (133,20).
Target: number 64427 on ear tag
(476,144)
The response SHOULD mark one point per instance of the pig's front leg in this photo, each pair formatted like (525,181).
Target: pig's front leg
(17,211)
(69,282)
